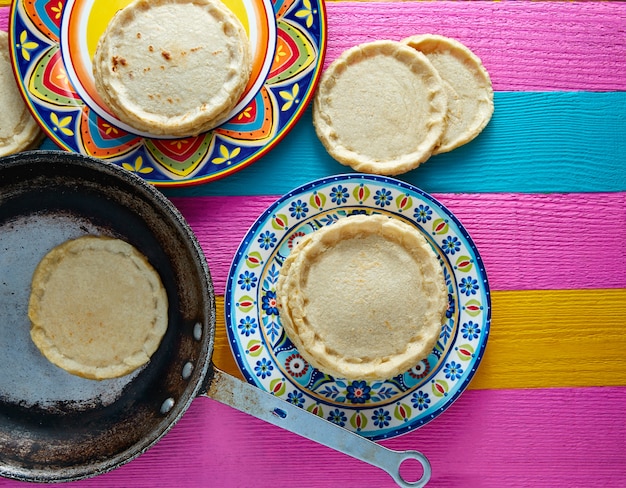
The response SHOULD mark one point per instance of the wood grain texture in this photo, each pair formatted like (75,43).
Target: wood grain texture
(536,142)
(554,261)
(530,46)
(548,438)
(527,241)
(538,339)
(551,338)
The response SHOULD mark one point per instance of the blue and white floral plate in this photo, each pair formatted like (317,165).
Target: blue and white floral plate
(268,359)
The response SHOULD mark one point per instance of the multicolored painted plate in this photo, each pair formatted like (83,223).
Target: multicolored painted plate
(375,409)
(53,42)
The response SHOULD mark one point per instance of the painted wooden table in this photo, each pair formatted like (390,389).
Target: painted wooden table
(542,191)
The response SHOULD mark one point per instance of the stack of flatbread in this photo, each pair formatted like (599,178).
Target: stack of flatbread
(172,67)
(385,107)
(363,298)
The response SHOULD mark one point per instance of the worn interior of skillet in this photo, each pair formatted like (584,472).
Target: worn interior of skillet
(56,426)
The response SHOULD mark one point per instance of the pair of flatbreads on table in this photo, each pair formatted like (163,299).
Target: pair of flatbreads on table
(18,129)
(385,107)
(363,298)
(98,309)
(172,68)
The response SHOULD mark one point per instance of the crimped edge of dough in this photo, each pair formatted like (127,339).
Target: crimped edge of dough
(322,121)
(28,133)
(292,302)
(427,43)
(47,346)
(190,123)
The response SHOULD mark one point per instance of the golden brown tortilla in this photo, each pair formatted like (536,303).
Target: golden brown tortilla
(98,309)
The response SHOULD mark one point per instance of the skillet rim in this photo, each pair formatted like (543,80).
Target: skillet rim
(201,377)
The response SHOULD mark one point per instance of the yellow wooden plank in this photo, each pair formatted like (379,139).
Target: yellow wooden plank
(538,339)
(552,338)
(222,354)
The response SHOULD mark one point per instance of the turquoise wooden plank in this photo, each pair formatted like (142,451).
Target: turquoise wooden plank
(536,142)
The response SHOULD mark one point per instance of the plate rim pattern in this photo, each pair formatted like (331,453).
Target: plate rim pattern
(212,155)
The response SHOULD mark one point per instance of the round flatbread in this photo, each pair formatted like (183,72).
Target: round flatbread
(18,129)
(363,298)
(467,85)
(172,67)
(380,108)
(98,309)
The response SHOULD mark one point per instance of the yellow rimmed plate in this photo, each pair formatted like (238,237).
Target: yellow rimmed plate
(52,44)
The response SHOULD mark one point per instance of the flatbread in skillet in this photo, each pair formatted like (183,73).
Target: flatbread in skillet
(363,298)
(98,309)
(172,67)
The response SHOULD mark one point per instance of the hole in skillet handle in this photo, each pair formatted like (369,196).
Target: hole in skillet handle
(279,412)
(402,466)
(409,462)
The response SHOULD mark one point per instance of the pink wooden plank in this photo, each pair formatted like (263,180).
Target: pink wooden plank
(531,46)
(565,241)
(524,45)
(492,438)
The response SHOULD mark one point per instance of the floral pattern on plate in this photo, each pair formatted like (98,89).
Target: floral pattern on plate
(268,359)
(52,44)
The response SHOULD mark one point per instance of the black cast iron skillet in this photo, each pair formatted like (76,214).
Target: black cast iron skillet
(58,427)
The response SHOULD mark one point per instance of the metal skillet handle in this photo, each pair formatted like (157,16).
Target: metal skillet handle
(252,400)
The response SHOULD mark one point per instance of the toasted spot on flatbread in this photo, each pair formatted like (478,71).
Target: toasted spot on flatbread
(194,53)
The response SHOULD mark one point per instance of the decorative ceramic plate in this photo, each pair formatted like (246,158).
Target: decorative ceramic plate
(53,42)
(267,358)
